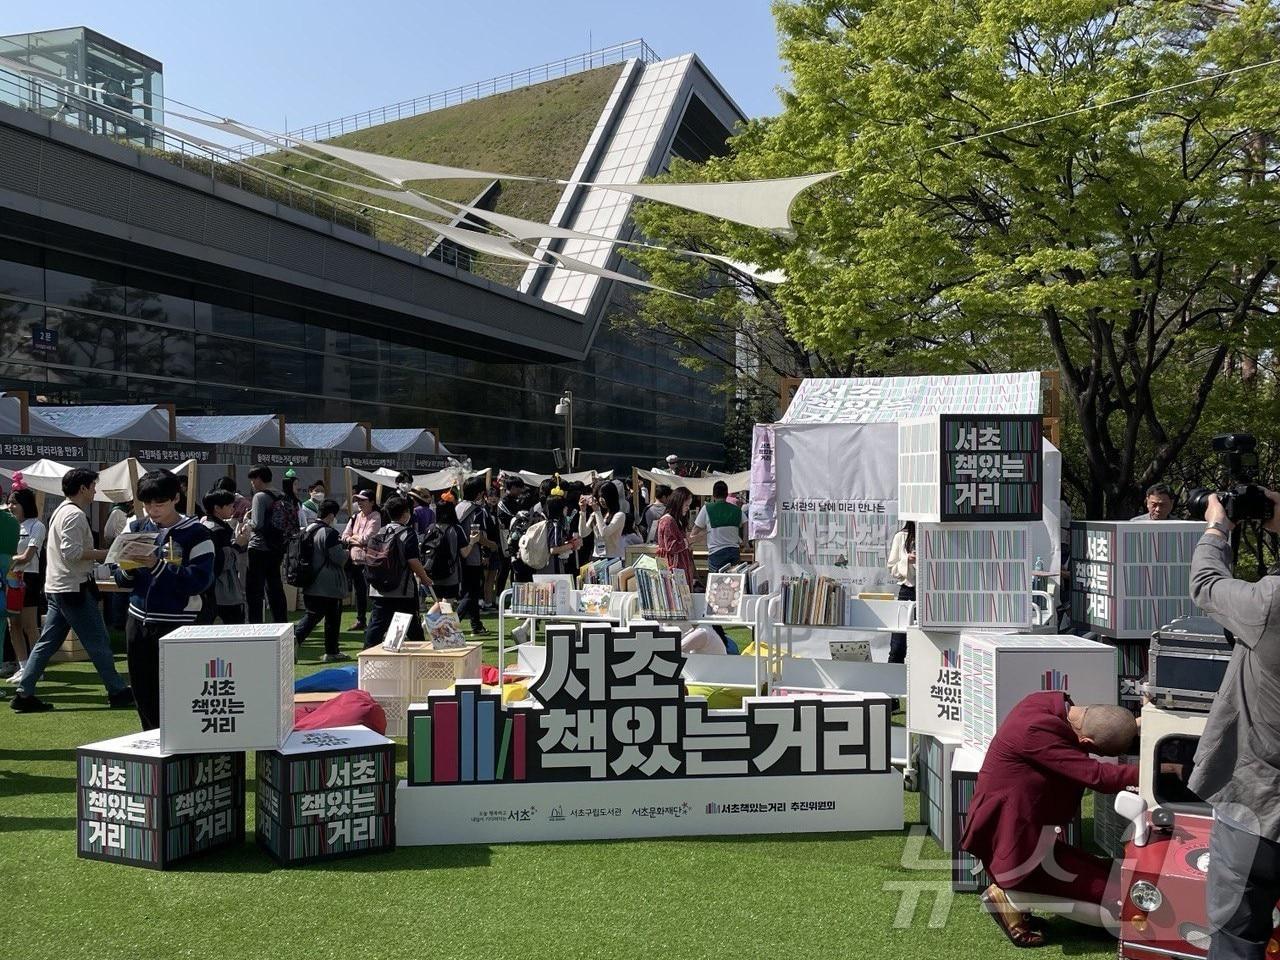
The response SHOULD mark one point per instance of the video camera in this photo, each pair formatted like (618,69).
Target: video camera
(1244,500)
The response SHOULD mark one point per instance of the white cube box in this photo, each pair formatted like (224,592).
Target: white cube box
(997,671)
(933,683)
(226,687)
(973,575)
(1130,578)
(966,467)
(1159,724)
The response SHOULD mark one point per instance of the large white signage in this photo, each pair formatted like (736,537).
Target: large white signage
(226,687)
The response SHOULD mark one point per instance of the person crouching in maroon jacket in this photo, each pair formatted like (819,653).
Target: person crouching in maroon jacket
(1034,775)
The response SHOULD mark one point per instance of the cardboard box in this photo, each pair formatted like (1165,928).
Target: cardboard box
(138,805)
(936,757)
(326,793)
(970,467)
(973,576)
(997,671)
(226,687)
(933,683)
(1129,578)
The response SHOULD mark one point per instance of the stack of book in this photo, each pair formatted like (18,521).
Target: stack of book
(664,594)
(749,571)
(815,602)
(602,571)
(533,599)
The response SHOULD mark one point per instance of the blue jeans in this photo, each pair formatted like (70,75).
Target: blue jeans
(78,612)
(718,558)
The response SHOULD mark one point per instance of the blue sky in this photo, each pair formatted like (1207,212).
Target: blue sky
(265,60)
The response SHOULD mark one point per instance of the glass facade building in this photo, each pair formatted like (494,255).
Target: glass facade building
(79,329)
(128,84)
(93,314)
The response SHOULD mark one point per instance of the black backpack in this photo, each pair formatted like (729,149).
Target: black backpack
(386,566)
(299,559)
(282,522)
(437,554)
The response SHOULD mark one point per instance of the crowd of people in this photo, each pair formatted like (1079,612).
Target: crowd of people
(233,557)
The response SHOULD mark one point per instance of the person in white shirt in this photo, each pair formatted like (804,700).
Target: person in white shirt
(722,522)
(72,597)
(902,567)
(605,524)
(1159,504)
(24,626)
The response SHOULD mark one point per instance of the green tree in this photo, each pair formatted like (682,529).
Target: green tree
(1014,199)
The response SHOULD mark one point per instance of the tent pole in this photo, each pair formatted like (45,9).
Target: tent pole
(24,409)
(635,493)
(191,488)
(173,420)
(280,418)
(346,476)
(133,487)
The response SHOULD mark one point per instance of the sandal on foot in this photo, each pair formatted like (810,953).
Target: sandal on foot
(1021,935)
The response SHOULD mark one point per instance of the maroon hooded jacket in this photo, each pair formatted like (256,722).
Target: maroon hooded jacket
(1033,777)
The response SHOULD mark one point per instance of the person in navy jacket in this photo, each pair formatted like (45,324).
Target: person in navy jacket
(167,594)
(1031,782)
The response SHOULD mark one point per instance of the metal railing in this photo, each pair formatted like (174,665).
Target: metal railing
(53,102)
(617,53)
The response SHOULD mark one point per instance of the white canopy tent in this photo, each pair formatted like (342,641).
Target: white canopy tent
(446,479)
(258,430)
(327,436)
(582,476)
(116,484)
(406,440)
(698,486)
(124,422)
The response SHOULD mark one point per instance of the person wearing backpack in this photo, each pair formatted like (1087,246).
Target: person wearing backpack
(323,580)
(273,521)
(225,599)
(482,534)
(546,545)
(394,571)
(441,551)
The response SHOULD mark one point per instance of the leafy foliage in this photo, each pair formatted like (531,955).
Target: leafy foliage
(1016,196)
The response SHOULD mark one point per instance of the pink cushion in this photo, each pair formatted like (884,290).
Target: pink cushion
(347,709)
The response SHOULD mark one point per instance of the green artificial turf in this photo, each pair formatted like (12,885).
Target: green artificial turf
(810,896)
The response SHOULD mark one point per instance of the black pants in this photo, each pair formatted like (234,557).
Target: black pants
(142,648)
(328,609)
(1242,890)
(521,572)
(360,587)
(504,572)
(898,641)
(472,593)
(263,580)
(382,609)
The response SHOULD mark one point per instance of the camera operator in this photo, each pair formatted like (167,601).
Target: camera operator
(1237,765)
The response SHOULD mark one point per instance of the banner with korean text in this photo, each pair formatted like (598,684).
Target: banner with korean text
(616,748)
